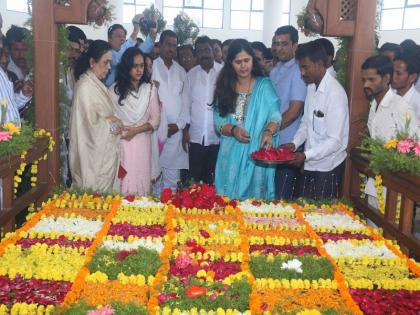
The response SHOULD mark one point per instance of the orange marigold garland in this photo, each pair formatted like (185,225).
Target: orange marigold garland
(165,258)
(254,301)
(342,287)
(77,286)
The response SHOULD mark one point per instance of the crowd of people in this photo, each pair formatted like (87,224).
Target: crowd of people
(145,115)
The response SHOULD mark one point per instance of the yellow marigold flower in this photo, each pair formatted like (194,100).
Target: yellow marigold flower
(391,144)
(11,127)
(309,312)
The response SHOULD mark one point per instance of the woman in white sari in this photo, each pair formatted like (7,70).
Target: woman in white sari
(94,130)
(136,104)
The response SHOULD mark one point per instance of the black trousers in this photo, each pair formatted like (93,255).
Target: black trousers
(322,185)
(286,180)
(203,162)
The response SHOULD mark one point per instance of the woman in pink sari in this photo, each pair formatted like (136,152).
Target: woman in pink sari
(136,104)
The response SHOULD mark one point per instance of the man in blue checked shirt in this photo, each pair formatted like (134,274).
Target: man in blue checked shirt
(291,90)
(117,38)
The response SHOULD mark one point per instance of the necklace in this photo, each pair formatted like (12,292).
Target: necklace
(242,104)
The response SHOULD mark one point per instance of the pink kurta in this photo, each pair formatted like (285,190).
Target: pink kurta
(139,108)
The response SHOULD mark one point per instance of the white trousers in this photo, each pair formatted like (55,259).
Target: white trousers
(170,178)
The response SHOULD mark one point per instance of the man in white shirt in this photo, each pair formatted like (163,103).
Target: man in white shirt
(204,141)
(404,78)
(388,111)
(18,50)
(175,101)
(324,127)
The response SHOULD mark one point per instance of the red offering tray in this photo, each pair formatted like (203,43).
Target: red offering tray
(273,155)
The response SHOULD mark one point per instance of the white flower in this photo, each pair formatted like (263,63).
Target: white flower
(293,264)
(347,248)
(143,202)
(212,226)
(247,206)
(68,225)
(228,232)
(336,220)
(156,245)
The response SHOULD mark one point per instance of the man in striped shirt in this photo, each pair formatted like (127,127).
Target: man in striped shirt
(14,101)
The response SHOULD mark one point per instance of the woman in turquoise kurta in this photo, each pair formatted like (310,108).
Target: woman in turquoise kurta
(247,116)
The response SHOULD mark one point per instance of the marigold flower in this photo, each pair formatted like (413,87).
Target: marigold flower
(391,144)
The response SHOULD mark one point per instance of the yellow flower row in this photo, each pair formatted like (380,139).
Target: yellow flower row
(236,277)
(133,238)
(27,309)
(75,204)
(42,262)
(369,261)
(388,284)
(270,214)
(273,284)
(272,240)
(194,311)
(280,227)
(140,216)
(55,235)
(395,270)
(182,238)
(206,224)
(212,256)
(140,280)
(87,197)
(194,211)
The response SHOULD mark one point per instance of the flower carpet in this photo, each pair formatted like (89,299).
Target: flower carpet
(100,255)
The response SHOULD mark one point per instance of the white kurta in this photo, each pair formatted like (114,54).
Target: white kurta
(201,86)
(175,100)
(412,97)
(385,121)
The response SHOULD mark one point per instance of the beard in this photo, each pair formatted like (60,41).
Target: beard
(370,94)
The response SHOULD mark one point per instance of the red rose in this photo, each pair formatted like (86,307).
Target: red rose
(204,233)
(184,194)
(219,200)
(130,198)
(166,195)
(207,191)
(191,243)
(187,202)
(200,203)
(233,203)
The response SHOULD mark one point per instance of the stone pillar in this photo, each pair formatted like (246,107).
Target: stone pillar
(273,10)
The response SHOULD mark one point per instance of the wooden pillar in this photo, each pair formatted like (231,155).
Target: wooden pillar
(355,19)
(362,47)
(45,16)
(45,42)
